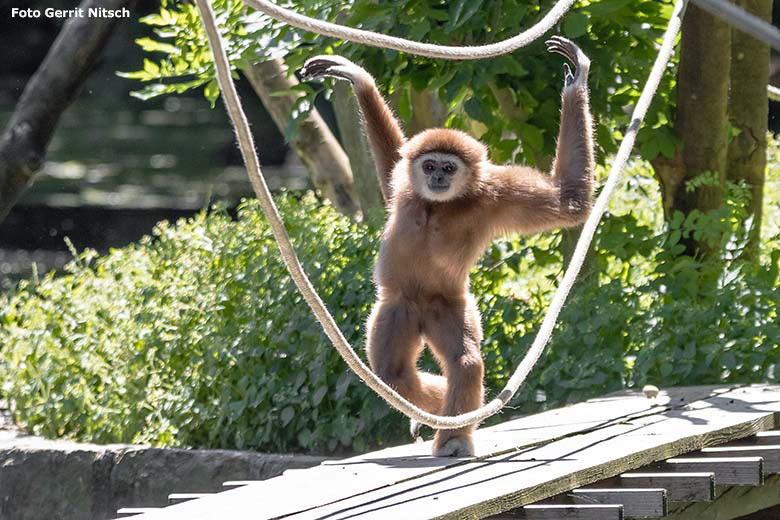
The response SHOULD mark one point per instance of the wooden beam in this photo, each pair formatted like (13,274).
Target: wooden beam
(680,487)
(637,503)
(733,503)
(566,512)
(730,471)
(770,454)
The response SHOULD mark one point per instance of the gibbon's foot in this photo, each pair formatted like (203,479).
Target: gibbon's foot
(333,66)
(458,446)
(414,429)
(570,51)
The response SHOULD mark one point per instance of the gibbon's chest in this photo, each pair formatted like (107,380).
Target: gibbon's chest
(423,243)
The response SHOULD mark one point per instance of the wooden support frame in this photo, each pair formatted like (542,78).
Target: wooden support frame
(729,471)
(680,487)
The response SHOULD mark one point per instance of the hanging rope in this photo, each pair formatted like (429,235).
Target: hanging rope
(246,144)
(741,19)
(422,49)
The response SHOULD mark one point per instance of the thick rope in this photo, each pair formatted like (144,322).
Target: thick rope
(247,147)
(741,19)
(423,49)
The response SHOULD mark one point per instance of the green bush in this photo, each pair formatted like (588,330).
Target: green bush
(196,336)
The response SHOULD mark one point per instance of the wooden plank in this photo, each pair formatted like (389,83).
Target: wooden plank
(585,443)
(497,484)
(680,487)
(730,471)
(133,511)
(178,498)
(771,437)
(567,512)
(637,503)
(733,503)
(770,454)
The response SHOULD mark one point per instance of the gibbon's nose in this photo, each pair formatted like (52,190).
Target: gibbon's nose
(439,177)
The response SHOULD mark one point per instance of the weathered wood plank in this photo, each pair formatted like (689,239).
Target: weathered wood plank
(770,437)
(637,503)
(730,471)
(680,487)
(606,437)
(733,502)
(770,454)
(566,512)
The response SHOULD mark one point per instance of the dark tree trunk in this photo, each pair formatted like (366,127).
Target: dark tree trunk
(48,93)
(701,119)
(748,112)
(315,144)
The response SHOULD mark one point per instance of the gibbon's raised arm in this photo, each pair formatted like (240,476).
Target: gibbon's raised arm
(530,201)
(382,128)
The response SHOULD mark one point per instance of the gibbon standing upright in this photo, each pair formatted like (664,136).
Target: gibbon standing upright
(446,203)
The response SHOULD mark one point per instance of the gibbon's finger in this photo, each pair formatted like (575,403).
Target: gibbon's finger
(332,58)
(318,69)
(568,77)
(563,50)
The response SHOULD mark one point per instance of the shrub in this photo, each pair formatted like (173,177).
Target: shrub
(196,336)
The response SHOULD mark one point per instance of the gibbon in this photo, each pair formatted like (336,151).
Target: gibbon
(446,203)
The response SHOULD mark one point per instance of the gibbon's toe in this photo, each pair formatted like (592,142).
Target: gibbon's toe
(455,447)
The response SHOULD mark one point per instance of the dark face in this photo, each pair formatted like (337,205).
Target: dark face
(439,174)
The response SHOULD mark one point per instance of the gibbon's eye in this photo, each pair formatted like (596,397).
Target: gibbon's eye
(428,166)
(449,167)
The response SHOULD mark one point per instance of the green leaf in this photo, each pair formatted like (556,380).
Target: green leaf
(211,92)
(287,415)
(575,24)
(531,136)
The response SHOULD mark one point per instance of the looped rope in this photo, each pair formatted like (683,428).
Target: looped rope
(400,44)
(246,144)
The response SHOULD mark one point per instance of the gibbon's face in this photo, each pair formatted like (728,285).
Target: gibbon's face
(439,176)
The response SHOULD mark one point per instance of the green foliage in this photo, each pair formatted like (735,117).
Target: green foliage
(513,95)
(197,336)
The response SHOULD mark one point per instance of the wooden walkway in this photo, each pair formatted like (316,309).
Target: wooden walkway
(629,446)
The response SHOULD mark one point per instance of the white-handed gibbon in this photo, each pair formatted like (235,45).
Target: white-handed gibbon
(446,203)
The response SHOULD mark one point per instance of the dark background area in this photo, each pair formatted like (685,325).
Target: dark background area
(117,165)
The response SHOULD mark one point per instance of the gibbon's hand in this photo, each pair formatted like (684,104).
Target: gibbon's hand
(569,50)
(335,67)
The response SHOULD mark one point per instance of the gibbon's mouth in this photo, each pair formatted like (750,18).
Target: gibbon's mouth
(438,188)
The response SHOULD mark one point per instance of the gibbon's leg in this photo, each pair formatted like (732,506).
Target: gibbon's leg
(382,128)
(574,162)
(454,332)
(394,344)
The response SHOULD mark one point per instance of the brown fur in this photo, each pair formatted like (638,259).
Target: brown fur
(429,246)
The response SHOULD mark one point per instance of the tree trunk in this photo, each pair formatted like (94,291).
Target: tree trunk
(315,144)
(701,122)
(48,93)
(748,112)
(356,145)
